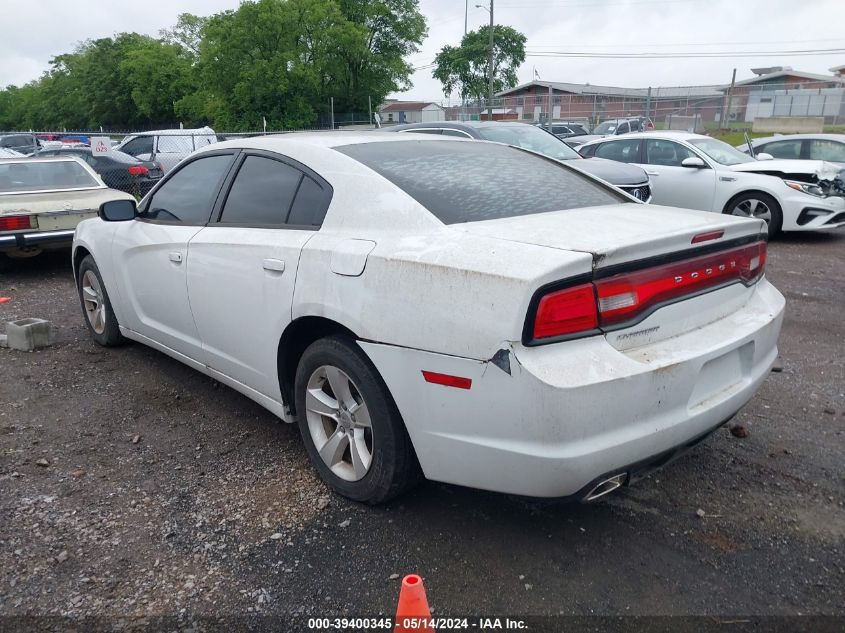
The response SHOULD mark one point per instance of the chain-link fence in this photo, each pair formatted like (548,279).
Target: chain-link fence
(681,107)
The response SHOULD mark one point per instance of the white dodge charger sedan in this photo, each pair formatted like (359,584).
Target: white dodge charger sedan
(699,172)
(462,310)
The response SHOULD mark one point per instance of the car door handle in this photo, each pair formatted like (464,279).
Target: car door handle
(652,173)
(276,265)
(175,257)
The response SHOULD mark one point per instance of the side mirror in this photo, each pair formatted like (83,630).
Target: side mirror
(693,162)
(118,210)
(764,156)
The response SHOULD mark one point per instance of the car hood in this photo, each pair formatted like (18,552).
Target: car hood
(615,233)
(818,168)
(616,173)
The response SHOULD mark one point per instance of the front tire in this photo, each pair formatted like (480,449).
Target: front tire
(350,424)
(96,306)
(756,204)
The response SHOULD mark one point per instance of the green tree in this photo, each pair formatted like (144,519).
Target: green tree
(187,33)
(158,75)
(463,69)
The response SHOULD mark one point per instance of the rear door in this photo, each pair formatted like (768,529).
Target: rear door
(243,266)
(675,185)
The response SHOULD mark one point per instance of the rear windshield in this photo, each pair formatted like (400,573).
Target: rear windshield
(472,181)
(43,176)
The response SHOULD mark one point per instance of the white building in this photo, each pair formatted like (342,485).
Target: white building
(411,112)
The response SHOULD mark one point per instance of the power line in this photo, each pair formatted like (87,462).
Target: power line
(687,54)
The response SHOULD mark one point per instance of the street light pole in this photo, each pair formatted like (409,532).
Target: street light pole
(490,68)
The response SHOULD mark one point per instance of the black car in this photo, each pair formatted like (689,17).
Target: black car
(631,179)
(118,170)
(565,129)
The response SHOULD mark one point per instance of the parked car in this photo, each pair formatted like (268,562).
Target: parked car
(565,129)
(631,180)
(699,172)
(614,127)
(829,147)
(118,170)
(43,199)
(166,147)
(25,144)
(468,311)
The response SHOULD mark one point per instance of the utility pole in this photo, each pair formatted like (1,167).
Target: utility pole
(490,66)
(466,14)
(370,109)
(331,101)
(726,120)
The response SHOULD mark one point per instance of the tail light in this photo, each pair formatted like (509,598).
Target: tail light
(18,222)
(626,298)
(138,170)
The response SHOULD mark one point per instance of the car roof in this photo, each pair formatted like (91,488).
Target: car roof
(675,135)
(786,137)
(473,125)
(42,159)
(327,139)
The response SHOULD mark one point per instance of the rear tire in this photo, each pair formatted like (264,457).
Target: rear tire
(96,306)
(756,204)
(350,424)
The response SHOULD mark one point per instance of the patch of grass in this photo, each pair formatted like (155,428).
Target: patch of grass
(735,137)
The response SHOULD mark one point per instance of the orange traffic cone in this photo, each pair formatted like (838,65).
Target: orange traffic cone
(412,612)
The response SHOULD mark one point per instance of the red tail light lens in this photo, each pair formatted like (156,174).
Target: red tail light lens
(626,297)
(138,170)
(566,311)
(17,222)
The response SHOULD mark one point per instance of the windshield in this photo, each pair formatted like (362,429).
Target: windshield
(529,137)
(720,151)
(44,176)
(608,127)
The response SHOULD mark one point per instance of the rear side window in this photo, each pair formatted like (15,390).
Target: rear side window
(823,149)
(262,193)
(189,195)
(311,203)
(470,182)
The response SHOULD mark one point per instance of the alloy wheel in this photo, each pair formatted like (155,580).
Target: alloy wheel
(339,423)
(92,299)
(753,208)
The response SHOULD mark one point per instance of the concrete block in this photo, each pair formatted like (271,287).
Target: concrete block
(789,124)
(29,334)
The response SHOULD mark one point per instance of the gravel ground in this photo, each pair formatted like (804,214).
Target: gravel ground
(132,486)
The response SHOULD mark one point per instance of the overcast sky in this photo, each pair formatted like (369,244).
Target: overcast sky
(36,30)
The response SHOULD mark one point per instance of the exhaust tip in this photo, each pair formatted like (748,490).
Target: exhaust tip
(604,487)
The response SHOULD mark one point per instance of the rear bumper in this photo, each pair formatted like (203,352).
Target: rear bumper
(550,421)
(16,241)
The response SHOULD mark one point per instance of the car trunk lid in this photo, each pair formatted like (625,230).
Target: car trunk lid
(618,234)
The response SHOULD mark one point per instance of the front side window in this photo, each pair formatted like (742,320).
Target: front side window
(262,193)
(44,176)
(621,151)
(666,153)
(782,149)
(188,196)
(823,149)
(138,146)
(471,182)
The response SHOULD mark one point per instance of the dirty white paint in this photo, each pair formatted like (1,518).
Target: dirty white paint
(420,295)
